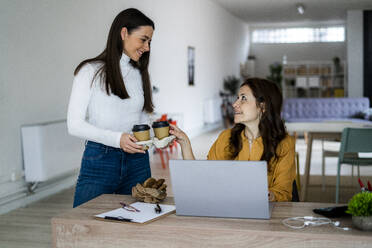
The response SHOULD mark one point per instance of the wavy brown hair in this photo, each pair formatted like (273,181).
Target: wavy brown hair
(110,72)
(271,126)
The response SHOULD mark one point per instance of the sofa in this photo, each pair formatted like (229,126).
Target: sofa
(326,109)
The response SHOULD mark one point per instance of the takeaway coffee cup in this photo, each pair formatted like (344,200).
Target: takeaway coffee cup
(141,132)
(161,129)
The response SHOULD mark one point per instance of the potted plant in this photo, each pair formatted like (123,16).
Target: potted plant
(276,74)
(360,207)
(231,84)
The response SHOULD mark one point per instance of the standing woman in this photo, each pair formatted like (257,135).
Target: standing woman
(110,94)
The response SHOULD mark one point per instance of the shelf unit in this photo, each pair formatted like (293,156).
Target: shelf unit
(314,79)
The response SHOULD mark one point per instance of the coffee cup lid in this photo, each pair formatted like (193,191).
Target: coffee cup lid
(158,124)
(139,128)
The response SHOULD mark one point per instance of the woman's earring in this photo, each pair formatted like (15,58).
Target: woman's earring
(261,114)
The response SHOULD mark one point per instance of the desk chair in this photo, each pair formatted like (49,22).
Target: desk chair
(329,153)
(298,176)
(296,186)
(297,161)
(295,195)
(164,161)
(353,140)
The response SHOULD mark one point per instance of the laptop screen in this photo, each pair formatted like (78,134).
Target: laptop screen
(235,189)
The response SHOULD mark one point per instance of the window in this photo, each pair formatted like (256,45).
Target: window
(299,35)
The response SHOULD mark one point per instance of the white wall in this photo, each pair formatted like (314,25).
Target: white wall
(42,41)
(355,52)
(220,41)
(267,54)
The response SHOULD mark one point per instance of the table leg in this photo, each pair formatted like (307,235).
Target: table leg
(307,166)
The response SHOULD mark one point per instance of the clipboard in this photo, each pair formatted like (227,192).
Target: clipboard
(146,215)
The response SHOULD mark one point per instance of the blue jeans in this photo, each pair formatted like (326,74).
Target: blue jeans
(109,170)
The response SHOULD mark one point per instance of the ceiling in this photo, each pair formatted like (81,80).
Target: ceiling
(273,11)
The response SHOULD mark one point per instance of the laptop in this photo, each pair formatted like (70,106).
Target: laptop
(215,188)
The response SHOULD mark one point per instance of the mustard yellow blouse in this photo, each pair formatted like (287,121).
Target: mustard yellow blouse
(281,172)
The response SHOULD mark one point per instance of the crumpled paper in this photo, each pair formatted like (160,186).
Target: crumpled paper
(151,191)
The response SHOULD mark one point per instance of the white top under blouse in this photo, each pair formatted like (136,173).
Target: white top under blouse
(96,116)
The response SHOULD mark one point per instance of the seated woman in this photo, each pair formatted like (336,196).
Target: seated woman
(258,134)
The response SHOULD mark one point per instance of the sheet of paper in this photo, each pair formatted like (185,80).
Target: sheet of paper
(147,212)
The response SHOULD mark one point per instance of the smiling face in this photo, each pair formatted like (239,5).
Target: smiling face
(246,110)
(136,42)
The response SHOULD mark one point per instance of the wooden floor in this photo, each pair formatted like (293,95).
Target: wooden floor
(30,226)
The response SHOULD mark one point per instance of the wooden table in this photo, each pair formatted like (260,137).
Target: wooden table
(78,228)
(319,130)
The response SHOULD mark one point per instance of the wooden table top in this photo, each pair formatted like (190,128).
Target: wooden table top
(83,215)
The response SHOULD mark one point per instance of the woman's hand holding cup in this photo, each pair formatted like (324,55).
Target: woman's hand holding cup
(181,137)
(127,143)
(183,140)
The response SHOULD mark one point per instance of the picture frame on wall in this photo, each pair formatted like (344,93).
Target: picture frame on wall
(191,65)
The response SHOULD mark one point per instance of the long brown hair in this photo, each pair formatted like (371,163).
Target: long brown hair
(271,126)
(110,72)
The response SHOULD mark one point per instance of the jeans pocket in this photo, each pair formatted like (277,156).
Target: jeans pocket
(138,156)
(94,153)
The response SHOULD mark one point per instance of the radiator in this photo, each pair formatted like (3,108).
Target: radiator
(49,151)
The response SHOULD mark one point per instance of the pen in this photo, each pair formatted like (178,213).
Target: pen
(158,209)
(119,218)
(129,207)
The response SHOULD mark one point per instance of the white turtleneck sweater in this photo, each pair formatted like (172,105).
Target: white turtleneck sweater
(96,116)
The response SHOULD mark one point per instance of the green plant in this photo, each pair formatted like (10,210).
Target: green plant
(231,84)
(276,73)
(360,204)
(337,65)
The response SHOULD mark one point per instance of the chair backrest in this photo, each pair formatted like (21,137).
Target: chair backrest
(355,140)
(295,196)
